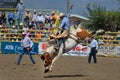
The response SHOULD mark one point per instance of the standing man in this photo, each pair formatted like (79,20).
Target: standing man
(26,44)
(94,47)
(20,7)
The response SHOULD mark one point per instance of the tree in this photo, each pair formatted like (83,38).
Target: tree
(96,17)
(100,18)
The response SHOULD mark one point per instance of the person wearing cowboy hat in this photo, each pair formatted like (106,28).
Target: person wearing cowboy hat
(26,45)
(20,10)
(94,48)
(64,27)
(27,17)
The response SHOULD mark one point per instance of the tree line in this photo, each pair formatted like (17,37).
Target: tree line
(100,18)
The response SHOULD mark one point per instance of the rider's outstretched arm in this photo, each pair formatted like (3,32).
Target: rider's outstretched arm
(70,11)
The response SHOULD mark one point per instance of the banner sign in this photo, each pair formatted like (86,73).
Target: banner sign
(14,47)
(79,50)
(109,50)
(42,47)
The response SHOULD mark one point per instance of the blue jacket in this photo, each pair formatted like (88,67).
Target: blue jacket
(65,21)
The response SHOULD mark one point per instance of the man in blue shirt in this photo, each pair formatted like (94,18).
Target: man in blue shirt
(64,27)
(26,44)
(11,18)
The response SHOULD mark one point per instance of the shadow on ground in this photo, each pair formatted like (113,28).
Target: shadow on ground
(60,76)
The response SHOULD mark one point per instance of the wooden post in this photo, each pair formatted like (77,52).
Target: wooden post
(68,5)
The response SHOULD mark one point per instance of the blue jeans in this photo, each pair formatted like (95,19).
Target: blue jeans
(60,41)
(92,53)
(25,50)
(20,15)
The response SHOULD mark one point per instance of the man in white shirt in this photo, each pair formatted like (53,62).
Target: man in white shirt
(47,16)
(27,45)
(40,18)
(94,47)
(34,16)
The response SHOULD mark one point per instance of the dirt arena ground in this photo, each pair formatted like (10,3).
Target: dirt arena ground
(66,68)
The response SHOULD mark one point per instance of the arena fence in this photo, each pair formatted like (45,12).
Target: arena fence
(108,43)
(10,35)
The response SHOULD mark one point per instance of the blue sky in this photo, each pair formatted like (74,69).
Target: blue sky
(61,5)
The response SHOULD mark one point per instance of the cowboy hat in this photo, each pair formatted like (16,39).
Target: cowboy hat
(61,14)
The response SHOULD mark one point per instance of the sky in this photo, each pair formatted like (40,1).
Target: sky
(79,6)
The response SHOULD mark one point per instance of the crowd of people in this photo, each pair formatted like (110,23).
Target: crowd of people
(27,20)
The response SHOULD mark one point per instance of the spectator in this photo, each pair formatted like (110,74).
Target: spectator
(5,32)
(53,26)
(20,7)
(38,36)
(32,33)
(47,24)
(11,18)
(32,24)
(3,18)
(118,37)
(53,16)
(40,18)
(27,17)
(21,25)
(0,33)
(25,29)
(4,25)
(14,33)
(34,16)
(47,17)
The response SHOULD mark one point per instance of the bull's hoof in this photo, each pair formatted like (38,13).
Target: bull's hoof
(46,70)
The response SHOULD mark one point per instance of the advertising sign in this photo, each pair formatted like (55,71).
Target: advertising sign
(42,47)
(79,50)
(14,47)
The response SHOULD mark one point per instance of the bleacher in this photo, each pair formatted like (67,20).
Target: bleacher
(7,34)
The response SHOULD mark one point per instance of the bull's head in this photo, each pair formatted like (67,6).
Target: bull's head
(46,59)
